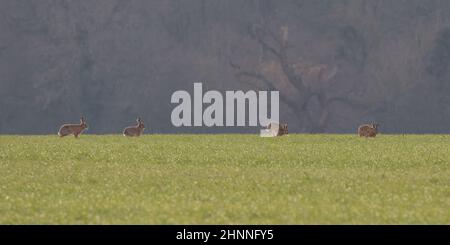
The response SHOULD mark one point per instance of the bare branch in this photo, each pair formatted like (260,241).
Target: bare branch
(251,74)
(269,85)
(332,73)
(234,66)
(268,47)
(274,37)
(259,34)
(256,76)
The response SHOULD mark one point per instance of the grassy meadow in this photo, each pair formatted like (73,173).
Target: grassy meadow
(225,179)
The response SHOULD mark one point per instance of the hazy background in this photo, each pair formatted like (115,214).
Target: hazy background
(336,63)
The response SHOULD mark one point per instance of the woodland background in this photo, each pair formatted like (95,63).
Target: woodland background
(337,63)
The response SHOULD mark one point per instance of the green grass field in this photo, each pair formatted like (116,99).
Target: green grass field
(225,179)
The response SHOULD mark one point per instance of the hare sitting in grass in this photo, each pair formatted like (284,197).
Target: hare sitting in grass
(135,130)
(75,129)
(278,129)
(368,130)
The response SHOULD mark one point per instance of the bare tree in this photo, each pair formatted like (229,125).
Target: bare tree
(309,89)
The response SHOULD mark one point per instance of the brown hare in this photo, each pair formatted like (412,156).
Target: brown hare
(278,129)
(368,130)
(135,130)
(75,129)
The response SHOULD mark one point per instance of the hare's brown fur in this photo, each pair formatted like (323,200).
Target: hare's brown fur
(368,130)
(278,129)
(75,129)
(135,130)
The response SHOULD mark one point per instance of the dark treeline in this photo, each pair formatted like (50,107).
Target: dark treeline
(336,63)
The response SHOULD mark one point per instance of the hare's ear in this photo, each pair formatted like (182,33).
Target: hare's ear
(82,119)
